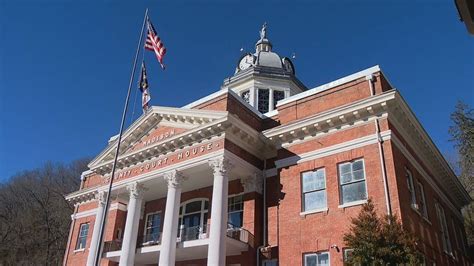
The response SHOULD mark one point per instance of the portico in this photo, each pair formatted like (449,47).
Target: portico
(185,234)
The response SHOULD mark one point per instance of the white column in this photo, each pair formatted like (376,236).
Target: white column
(170,223)
(217,236)
(101,198)
(270,100)
(129,243)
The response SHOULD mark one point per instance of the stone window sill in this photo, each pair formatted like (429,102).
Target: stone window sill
(354,203)
(305,213)
(79,250)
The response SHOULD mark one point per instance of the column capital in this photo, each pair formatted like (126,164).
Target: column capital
(253,182)
(136,190)
(220,165)
(174,178)
(101,197)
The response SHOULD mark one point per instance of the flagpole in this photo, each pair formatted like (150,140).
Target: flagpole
(124,114)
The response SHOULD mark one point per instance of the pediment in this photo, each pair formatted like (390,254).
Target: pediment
(157,125)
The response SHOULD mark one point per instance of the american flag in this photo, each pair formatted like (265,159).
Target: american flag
(154,43)
(143,87)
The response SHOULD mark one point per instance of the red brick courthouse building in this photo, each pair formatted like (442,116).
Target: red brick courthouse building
(268,172)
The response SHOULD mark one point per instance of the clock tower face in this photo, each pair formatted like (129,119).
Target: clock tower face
(246,61)
(288,65)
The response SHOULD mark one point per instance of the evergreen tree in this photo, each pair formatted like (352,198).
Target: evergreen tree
(379,241)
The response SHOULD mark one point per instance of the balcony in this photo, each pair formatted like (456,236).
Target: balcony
(192,243)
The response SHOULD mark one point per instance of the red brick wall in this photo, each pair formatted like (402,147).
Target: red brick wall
(325,100)
(296,235)
(428,231)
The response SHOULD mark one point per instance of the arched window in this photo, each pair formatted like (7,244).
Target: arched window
(193,219)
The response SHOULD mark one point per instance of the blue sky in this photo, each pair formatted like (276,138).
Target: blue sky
(65,65)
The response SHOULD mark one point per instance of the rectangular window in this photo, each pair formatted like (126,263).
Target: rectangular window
(82,238)
(316,259)
(444,229)
(411,188)
(263,100)
(236,211)
(423,208)
(352,181)
(152,227)
(277,95)
(313,185)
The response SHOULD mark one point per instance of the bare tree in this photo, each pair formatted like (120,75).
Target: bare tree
(34,216)
(462,132)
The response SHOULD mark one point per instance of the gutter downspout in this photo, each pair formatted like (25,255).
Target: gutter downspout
(382,165)
(264,212)
(73,223)
(370,78)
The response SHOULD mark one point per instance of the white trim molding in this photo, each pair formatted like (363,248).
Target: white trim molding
(114,206)
(334,149)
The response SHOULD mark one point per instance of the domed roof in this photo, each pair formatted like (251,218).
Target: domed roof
(268,59)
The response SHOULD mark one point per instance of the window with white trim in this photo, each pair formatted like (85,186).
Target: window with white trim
(444,229)
(82,237)
(352,181)
(192,221)
(411,188)
(316,259)
(152,227)
(423,208)
(313,187)
(236,211)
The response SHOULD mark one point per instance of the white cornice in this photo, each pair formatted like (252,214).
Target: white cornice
(334,149)
(404,119)
(374,105)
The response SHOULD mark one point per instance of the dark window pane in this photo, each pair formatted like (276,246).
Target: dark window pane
(263,100)
(353,192)
(357,165)
(277,95)
(235,219)
(194,206)
(323,259)
(310,260)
